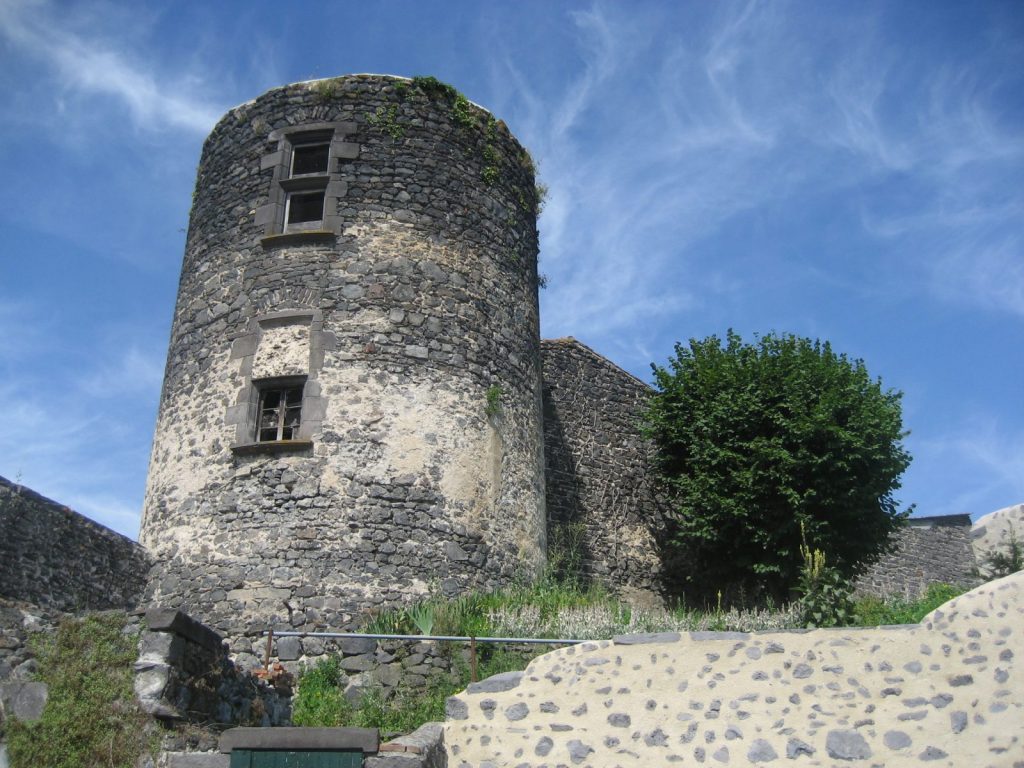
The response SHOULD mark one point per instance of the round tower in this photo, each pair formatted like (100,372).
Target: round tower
(350,414)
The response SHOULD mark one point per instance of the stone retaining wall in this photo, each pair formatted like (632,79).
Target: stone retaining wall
(947,692)
(412,665)
(18,621)
(51,555)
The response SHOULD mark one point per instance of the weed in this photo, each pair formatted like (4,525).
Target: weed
(824,591)
(91,718)
(566,551)
(386,119)
(540,192)
(320,702)
(462,111)
(873,611)
(434,88)
(422,616)
(493,398)
(326,90)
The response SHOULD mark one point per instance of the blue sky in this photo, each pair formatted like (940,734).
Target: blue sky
(846,171)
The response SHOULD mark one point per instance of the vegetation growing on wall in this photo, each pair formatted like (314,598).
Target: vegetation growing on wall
(1002,561)
(91,718)
(386,118)
(492,407)
(755,441)
(471,119)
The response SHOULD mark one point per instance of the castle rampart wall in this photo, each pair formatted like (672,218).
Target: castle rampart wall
(52,556)
(926,550)
(600,495)
(407,316)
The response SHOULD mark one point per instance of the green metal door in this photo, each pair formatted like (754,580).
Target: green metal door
(273,758)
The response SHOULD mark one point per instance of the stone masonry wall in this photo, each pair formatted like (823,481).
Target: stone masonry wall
(928,549)
(408,666)
(52,556)
(596,466)
(414,307)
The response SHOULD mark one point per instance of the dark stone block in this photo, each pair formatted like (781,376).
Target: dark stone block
(159,619)
(23,700)
(365,739)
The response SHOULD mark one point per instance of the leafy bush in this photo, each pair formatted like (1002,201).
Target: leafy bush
(91,718)
(755,440)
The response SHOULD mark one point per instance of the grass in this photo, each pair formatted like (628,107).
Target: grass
(558,609)
(91,718)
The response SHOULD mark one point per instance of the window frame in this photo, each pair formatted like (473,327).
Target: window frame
(296,148)
(326,178)
(283,386)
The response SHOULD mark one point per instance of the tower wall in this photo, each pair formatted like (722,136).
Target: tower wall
(407,317)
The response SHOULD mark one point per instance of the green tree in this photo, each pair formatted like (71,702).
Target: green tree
(756,440)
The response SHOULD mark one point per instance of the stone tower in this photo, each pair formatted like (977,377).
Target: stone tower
(351,409)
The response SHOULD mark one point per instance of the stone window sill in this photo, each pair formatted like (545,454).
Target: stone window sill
(280,446)
(298,238)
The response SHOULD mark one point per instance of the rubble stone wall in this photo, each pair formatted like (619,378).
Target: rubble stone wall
(600,496)
(183,674)
(927,550)
(947,692)
(52,556)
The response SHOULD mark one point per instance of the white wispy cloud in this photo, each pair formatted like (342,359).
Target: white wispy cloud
(132,372)
(982,461)
(95,63)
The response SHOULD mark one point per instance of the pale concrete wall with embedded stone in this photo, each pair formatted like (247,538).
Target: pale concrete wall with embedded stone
(927,550)
(52,556)
(420,298)
(596,466)
(997,533)
(947,692)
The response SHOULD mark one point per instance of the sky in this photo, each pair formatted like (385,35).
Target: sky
(852,172)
